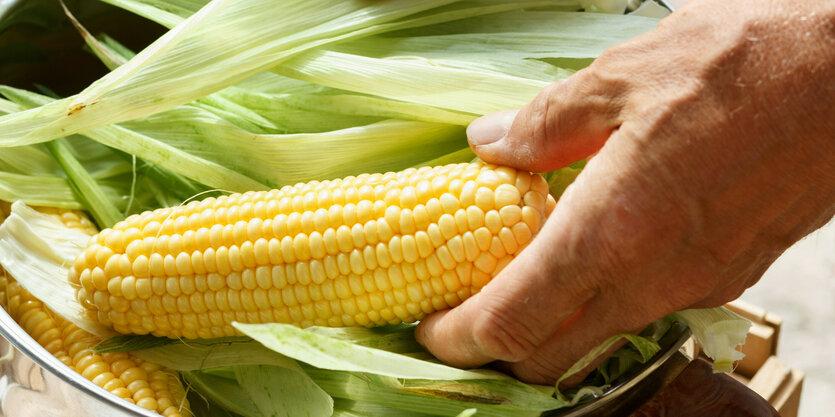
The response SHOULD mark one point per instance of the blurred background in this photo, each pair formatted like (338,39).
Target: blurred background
(800,288)
(40,48)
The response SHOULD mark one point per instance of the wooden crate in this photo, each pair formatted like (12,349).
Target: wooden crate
(761,370)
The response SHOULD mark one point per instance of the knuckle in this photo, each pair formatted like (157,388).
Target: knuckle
(502,337)
(541,115)
(532,134)
(536,370)
(612,74)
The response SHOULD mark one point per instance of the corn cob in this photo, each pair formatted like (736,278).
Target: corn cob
(366,250)
(137,381)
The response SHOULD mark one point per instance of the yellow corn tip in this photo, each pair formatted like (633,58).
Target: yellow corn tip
(137,381)
(72,219)
(366,250)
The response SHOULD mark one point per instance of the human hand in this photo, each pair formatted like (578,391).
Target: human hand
(714,152)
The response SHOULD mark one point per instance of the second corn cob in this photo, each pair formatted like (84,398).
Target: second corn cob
(366,250)
(143,383)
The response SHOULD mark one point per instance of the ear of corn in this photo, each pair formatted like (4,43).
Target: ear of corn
(140,382)
(366,250)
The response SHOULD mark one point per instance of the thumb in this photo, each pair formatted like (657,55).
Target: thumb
(566,122)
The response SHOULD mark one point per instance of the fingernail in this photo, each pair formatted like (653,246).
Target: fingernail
(490,128)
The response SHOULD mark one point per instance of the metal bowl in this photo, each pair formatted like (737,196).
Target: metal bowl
(33,383)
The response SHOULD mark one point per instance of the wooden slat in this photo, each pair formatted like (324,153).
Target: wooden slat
(775,322)
(758,347)
(787,401)
(747,310)
(770,378)
(779,385)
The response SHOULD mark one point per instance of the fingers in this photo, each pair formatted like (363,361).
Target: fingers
(515,313)
(521,307)
(592,325)
(532,316)
(570,288)
(566,122)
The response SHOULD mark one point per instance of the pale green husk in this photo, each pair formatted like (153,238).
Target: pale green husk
(318,350)
(282,392)
(719,332)
(184,64)
(37,250)
(387,90)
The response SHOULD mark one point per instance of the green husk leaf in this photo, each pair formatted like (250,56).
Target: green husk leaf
(38,190)
(127,343)
(452,395)
(115,48)
(605,6)
(348,408)
(223,392)
(152,150)
(200,145)
(279,160)
(459,156)
(330,353)
(490,392)
(644,346)
(185,64)
(564,24)
(178,161)
(536,34)
(358,105)
(31,174)
(165,12)
(560,179)
(396,339)
(198,354)
(718,331)
(281,392)
(87,190)
(32,160)
(414,81)
(202,407)
(431,397)
(628,356)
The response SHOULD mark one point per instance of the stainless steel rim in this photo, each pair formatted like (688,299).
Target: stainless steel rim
(21,340)
(666,4)
(634,388)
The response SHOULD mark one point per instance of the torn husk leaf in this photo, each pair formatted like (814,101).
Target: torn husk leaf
(719,332)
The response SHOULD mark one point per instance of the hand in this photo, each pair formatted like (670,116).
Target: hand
(714,151)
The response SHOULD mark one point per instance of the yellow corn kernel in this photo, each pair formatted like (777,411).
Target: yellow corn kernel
(365,250)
